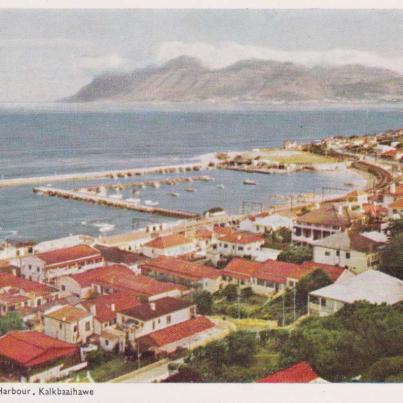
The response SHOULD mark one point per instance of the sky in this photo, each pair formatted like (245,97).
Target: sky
(49,54)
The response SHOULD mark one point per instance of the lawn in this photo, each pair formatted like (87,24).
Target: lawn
(295,157)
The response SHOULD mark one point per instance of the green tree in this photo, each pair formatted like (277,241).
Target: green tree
(296,254)
(230,292)
(384,369)
(204,302)
(11,321)
(311,282)
(242,347)
(392,257)
(396,227)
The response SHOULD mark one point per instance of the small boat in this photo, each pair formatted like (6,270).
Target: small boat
(83,222)
(106,228)
(221,186)
(174,194)
(151,203)
(190,190)
(349,184)
(133,200)
(156,185)
(249,182)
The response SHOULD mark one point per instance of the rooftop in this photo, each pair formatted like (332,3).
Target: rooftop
(10,280)
(115,240)
(68,313)
(327,214)
(160,307)
(177,332)
(168,241)
(70,254)
(29,349)
(372,286)
(181,268)
(116,255)
(301,372)
(242,237)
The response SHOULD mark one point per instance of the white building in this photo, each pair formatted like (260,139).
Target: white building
(372,286)
(61,243)
(169,245)
(240,243)
(265,224)
(348,249)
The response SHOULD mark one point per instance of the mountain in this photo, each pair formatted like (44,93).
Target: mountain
(186,79)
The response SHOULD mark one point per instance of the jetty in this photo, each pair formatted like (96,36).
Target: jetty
(111,174)
(111,202)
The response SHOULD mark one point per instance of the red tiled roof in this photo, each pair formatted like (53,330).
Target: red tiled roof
(9,280)
(168,241)
(327,214)
(104,303)
(121,278)
(177,332)
(222,231)
(204,234)
(29,349)
(241,268)
(180,268)
(397,204)
(301,372)
(155,309)
(70,254)
(242,237)
(334,272)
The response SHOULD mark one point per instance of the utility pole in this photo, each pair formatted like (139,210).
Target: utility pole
(283,310)
(295,295)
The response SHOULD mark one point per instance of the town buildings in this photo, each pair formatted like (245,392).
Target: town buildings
(169,245)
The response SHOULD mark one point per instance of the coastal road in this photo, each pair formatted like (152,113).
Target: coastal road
(152,373)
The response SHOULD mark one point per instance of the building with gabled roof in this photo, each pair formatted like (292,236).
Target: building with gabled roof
(301,372)
(182,335)
(372,286)
(34,357)
(118,278)
(240,243)
(68,323)
(189,274)
(169,245)
(149,317)
(348,249)
(47,266)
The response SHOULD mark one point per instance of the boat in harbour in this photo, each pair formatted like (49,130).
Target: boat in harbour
(249,182)
(151,203)
(174,194)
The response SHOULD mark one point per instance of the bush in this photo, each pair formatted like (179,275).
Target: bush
(296,254)
(230,292)
(98,357)
(204,302)
(383,369)
(11,321)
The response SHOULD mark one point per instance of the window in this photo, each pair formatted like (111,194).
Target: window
(348,255)
(106,342)
(38,269)
(29,267)
(240,247)
(63,288)
(60,325)
(75,328)
(327,253)
(87,326)
(168,319)
(337,253)
(153,324)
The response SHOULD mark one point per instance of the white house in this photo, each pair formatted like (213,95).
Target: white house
(372,286)
(265,224)
(169,245)
(348,249)
(130,241)
(47,266)
(240,243)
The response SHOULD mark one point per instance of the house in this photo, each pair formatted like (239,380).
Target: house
(117,278)
(34,357)
(348,249)
(240,243)
(15,249)
(319,224)
(272,276)
(189,274)
(130,241)
(68,323)
(104,308)
(17,294)
(61,243)
(265,223)
(395,209)
(149,317)
(113,339)
(113,255)
(47,266)
(187,334)
(169,245)
(301,372)
(372,286)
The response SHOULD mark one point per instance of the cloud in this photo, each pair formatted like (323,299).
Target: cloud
(226,53)
(102,62)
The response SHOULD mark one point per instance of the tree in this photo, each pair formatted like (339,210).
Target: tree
(311,282)
(242,347)
(296,254)
(204,302)
(396,227)
(384,369)
(11,321)
(392,257)
(230,292)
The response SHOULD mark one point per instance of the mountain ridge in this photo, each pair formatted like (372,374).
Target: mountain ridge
(186,79)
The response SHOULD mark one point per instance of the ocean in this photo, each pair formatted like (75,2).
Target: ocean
(37,141)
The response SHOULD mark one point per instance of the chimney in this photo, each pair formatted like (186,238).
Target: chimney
(93,309)
(113,307)
(152,306)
